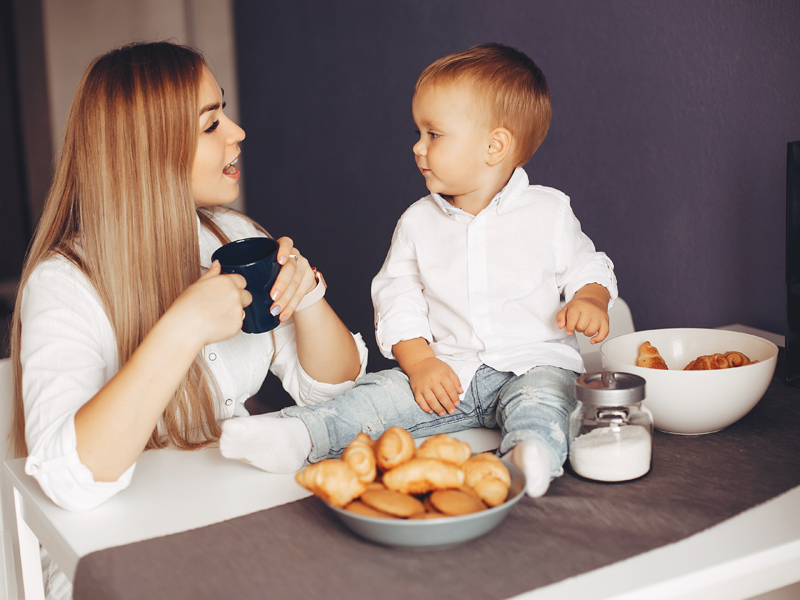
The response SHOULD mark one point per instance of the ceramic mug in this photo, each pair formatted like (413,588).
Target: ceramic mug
(255,259)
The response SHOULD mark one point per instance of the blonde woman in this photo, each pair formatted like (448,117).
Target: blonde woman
(125,336)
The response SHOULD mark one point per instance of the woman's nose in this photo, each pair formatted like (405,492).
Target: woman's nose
(236,134)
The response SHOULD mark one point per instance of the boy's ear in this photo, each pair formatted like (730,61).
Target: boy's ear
(500,141)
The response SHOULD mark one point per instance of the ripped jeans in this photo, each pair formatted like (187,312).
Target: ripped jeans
(536,404)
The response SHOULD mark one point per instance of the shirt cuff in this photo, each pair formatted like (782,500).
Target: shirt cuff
(313,392)
(70,484)
(408,328)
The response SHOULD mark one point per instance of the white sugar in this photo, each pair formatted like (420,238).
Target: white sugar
(612,453)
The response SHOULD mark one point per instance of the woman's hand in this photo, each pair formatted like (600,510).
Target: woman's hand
(295,280)
(212,308)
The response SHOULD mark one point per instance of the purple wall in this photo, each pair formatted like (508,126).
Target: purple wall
(669,133)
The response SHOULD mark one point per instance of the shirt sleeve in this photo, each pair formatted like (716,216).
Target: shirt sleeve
(578,262)
(401,311)
(67,354)
(305,390)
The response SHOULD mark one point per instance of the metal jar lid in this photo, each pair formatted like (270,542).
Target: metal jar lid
(609,388)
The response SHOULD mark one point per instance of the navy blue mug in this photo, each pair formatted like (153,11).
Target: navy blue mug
(255,259)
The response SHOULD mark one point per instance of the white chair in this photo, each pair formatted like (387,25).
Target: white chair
(19,579)
(620,322)
(7,571)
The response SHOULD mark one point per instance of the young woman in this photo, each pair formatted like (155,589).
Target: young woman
(125,337)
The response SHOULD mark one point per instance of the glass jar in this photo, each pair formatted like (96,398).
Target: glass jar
(610,430)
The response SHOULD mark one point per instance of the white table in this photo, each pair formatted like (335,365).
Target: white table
(752,553)
(173,491)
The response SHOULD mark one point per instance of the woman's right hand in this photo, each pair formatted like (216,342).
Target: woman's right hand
(212,308)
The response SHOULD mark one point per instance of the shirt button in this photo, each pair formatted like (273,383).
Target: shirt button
(228,402)
(212,356)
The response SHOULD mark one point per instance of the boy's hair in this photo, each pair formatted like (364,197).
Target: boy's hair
(511,89)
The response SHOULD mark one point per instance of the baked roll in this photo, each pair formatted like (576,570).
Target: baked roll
(423,475)
(489,477)
(650,358)
(360,456)
(332,480)
(445,448)
(393,448)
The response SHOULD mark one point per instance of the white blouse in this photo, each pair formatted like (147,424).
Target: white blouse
(69,353)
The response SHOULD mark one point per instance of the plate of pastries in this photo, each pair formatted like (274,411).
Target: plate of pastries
(437,495)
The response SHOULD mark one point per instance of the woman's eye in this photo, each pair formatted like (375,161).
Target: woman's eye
(214,125)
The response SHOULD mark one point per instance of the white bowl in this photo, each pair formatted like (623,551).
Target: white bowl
(695,402)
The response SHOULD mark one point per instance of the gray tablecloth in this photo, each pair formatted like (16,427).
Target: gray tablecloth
(301,550)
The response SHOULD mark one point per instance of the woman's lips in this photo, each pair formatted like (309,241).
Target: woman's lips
(231,170)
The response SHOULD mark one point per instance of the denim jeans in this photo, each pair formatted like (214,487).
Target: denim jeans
(536,404)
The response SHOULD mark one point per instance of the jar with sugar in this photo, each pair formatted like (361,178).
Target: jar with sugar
(611,431)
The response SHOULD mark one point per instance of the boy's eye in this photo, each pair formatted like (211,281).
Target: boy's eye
(214,125)
(433,135)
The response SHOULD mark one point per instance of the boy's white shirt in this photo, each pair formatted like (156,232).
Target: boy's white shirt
(69,352)
(486,289)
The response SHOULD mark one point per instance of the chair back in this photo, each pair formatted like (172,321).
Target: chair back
(7,571)
(620,322)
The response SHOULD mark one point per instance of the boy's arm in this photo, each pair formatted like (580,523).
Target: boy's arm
(435,385)
(587,312)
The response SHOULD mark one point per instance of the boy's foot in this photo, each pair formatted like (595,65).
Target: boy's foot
(533,457)
(276,445)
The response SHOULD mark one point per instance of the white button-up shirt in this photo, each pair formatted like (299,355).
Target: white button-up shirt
(486,289)
(69,352)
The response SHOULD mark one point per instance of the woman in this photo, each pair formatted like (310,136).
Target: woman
(124,336)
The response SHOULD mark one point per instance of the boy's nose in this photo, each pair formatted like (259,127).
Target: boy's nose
(419,148)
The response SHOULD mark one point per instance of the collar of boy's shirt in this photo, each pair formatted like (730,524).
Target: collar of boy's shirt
(503,198)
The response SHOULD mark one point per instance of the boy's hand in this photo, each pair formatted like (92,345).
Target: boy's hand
(435,386)
(587,313)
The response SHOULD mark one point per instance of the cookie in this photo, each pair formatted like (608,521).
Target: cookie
(393,503)
(456,502)
(359,508)
(432,514)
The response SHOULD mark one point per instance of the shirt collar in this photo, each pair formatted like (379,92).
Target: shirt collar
(504,198)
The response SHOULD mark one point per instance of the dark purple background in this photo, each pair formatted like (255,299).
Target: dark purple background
(669,133)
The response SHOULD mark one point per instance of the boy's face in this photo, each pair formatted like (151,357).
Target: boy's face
(452,145)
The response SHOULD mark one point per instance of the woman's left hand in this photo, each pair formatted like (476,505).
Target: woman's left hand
(295,280)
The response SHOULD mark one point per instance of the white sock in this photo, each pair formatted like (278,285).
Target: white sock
(533,457)
(276,445)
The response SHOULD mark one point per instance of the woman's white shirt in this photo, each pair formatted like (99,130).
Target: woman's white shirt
(69,353)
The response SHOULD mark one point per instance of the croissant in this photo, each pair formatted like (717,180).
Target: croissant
(708,362)
(393,448)
(332,480)
(489,477)
(650,358)
(423,475)
(445,448)
(737,359)
(360,456)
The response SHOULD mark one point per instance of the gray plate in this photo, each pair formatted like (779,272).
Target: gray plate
(433,534)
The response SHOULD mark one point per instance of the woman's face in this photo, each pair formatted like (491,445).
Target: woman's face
(215,177)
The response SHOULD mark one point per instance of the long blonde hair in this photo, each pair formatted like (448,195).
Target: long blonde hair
(120,208)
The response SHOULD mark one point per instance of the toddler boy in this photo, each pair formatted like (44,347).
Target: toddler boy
(469,298)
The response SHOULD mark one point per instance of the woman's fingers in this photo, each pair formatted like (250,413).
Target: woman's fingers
(295,280)
(285,246)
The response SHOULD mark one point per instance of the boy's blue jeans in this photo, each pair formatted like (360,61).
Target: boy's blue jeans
(536,404)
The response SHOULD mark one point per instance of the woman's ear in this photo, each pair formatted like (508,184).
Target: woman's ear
(500,141)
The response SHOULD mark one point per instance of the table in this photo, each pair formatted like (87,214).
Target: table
(752,553)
